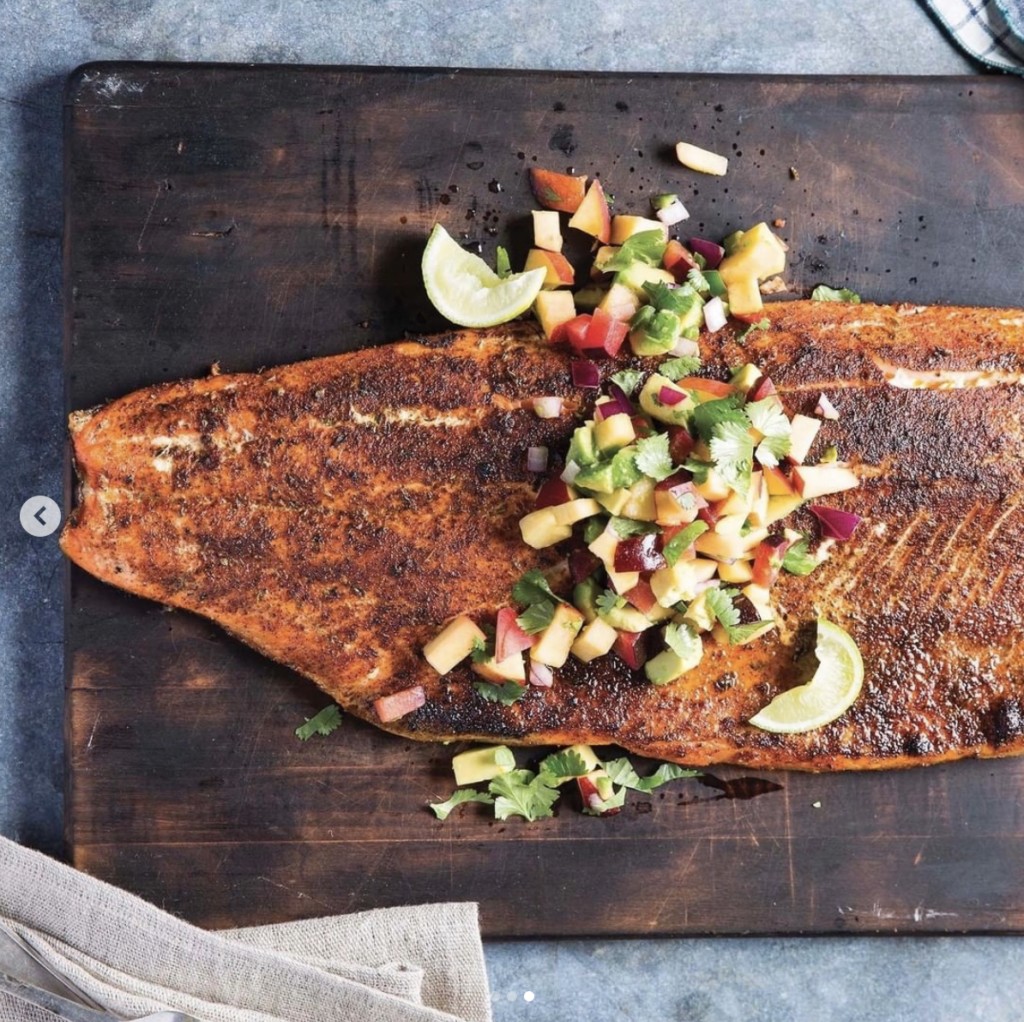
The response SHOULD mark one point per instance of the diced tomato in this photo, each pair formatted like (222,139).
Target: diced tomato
(678,260)
(554,491)
(632,648)
(509,638)
(558,333)
(576,331)
(604,336)
(642,596)
(768,560)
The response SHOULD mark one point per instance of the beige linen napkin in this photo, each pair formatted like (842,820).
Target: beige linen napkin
(388,965)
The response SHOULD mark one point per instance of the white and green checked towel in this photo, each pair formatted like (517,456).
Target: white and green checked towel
(991,31)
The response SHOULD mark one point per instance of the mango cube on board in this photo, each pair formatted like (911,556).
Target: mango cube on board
(453,644)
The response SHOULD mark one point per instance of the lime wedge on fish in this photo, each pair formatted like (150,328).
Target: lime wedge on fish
(464,289)
(829,694)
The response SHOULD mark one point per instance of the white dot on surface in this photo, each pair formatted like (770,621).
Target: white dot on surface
(528,996)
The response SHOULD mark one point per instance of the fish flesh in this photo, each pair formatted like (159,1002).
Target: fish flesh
(334,513)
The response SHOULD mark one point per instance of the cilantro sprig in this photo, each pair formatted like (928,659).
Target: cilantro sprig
(676,368)
(507,693)
(322,723)
(824,293)
(459,796)
(720,603)
(799,560)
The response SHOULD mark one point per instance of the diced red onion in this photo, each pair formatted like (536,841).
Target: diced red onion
(536,459)
(835,524)
(586,374)
(675,212)
(541,675)
(671,396)
(619,402)
(713,254)
(714,315)
(826,409)
(398,704)
(547,407)
(570,472)
(685,348)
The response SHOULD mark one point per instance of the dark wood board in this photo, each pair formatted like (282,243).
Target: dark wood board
(253,216)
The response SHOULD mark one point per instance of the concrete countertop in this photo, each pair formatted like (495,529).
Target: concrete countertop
(793,978)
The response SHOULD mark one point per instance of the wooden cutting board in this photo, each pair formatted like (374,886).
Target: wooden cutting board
(253,216)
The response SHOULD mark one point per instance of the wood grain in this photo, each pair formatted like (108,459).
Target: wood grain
(254,216)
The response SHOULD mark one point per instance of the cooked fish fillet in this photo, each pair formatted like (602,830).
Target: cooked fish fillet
(334,513)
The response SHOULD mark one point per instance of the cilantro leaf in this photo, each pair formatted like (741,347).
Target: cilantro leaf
(676,368)
(536,617)
(645,247)
(652,457)
(768,418)
(824,293)
(628,380)
(523,793)
(709,415)
(740,633)
(621,772)
(323,723)
(669,299)
(459,795)
(681,541)
(627,527)
(698,469)
(733,451)
(609,601)
(506,694)
(772,449)
(719,602)
(761,324)
(682,640)
(479,653)
(533,588)
(563,766)
(799,560)
(502,266)
(601,806)
(696,279)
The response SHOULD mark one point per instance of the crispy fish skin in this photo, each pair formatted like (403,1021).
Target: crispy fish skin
(333,513)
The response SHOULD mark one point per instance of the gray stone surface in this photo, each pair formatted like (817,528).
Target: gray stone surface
(44,40)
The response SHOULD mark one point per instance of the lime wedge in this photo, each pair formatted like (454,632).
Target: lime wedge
(464,289)
(828,695)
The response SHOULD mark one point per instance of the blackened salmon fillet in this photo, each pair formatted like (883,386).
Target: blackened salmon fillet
(334,513)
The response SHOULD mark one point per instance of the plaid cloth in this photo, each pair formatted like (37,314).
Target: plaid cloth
(991,31)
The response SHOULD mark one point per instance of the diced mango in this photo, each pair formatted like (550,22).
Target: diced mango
(552,648)
(512,668)
(453,644)
(541,529)
(576,510)
(624,226)
(553,308)
(596,639)
(614,432)
(547,233)
(476,765)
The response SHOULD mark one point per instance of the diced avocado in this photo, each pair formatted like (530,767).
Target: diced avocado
(593,527)
(614,432)
(626,618)
(657,335)
(484,764)
(624,470)
(589,297)
(745,377)
(673,415)
(584,596)
(597,478)
(659,202)
(582,448)
(638,273)
(698,614)
(668,665)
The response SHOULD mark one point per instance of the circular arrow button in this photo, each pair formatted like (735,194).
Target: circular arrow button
(40,516)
